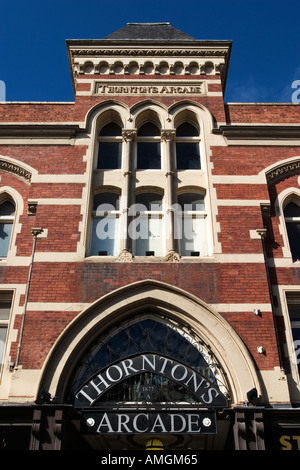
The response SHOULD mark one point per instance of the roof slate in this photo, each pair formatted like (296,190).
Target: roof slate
(149,32)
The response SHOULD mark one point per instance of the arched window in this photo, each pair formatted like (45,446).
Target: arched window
(105,224)
(7,217)
(146,229)
(192,225)
(292,220)
(187,147)
(148,147)
(110,147)
(167,343)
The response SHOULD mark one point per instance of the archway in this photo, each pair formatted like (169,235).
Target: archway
(142,349)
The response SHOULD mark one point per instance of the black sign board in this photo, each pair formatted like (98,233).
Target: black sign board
(149,422)
(207,393)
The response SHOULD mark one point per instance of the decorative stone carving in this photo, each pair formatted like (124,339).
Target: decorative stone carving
(172,257)
(16,170)
(125,256)
(128,135)
(148,67)
(31,208)
(283,171)
(168,135)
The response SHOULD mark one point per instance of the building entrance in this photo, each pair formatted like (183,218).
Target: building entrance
(149,378)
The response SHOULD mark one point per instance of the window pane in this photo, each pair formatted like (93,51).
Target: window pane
(188,156)
(294,311)
(148,156)
(296,339)
(7,209)
(191,202)
(151,201)
(150,239)
(3,331)
(292,210)
(5,234)
(148,130)
(110,155)
(105,236)
(193,236)
(4,310)
(187,130)
(293,230)
(111,130)
(109,199)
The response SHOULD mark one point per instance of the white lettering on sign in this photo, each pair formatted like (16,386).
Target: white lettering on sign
(203,389)
(102,422)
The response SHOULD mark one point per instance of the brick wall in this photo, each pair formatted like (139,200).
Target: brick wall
(85,282)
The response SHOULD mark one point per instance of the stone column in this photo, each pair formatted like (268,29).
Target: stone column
(128,137)
(168,137)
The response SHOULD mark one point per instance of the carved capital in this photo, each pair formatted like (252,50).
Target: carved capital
(168,135)
(128,135)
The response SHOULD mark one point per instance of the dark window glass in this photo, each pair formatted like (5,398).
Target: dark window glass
(187,153)
(148,130)
(109,157)
(186,130)
(111,130)
(188,156)
(292,219)
(110,199)
(110,147)
(7,209)
(148,148)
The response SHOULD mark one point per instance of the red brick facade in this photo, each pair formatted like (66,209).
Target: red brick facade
(54,141)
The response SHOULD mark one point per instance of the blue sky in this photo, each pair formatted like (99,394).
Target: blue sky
(265,57)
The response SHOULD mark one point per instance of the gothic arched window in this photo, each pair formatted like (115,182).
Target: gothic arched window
(159,342)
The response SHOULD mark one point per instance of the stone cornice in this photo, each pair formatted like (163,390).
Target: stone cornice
(38,130)
(259,131)
(94,50)
(151,52)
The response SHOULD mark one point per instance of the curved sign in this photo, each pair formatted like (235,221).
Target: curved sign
(199,386)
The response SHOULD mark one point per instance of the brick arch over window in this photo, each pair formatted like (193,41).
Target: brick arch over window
(161,298)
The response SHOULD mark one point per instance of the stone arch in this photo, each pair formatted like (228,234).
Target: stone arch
(108,109)
(227,347)
(190,110)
